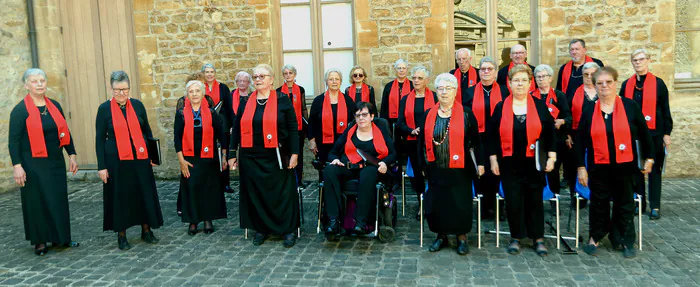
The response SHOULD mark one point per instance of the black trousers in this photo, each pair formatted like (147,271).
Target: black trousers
(334,179)
(323,151)
(654,176)
(570,169)
(225,175)
(616,184)
(524,204)
(553,176)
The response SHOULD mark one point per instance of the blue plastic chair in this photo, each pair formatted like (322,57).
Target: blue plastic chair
(475,198)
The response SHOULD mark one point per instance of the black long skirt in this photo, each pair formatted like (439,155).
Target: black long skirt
(202,198)
(268,202)
(448,201)
(45,199)
(130,195)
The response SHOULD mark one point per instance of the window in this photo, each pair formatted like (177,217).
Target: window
(687,56)
(491,27)
(317,35)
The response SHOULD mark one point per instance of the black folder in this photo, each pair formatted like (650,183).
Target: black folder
(153,145)
(540,157)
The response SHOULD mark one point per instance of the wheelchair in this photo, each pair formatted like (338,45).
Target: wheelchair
(386,207)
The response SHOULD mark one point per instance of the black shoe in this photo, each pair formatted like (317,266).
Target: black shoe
(289,240)
(229,189)
(149,237)
(259,238)
(462,247)
(541,249)
(66,245)
(332,229)
(629,253)
(192,230)
(591,249)
(439,243)
(40,251)
(514,247)
(123,243)
(654,214)
(210,229)
(360,228)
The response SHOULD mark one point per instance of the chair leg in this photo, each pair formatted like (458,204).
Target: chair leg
(403,194)
(246,233)
(498,219)
(556,199)
(478,220)
(320,205)
(421,220)
(639,217)
(376,214)
(578,203)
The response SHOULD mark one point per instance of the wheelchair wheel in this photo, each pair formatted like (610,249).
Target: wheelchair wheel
(386,234)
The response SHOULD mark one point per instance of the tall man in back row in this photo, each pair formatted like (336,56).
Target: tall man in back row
(467,76)
(518,55)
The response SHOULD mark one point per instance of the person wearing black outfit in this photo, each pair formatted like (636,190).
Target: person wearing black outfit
(518,54)
(331,112)
(521,134)
(482,99)
(265,128)
(220,94)
(346,163)
(359,90)
(130,195)
(242,90)
(37,137)
(571,74)
(607,139)
(450,138)
(558,107)
(394,91)
(467,76)
(197,130)
(297,95)
(584,96)
(651,95)
(412,110)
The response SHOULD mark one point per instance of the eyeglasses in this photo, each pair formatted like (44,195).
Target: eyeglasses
(604,83)
(288,73)
(519,53)
(260,77)
(358,75)
(487,69)
(542,77)
(401,68)
(445,89)
(361,115)
(333,79)
(587,75)
(417,78)
(121,91)
(520,81)
(639,60)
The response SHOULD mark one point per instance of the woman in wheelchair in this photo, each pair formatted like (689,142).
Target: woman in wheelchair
(455,156)
(613,139)
(363,152)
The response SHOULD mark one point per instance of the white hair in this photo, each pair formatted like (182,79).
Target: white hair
(400,61)
(545,68)
(289,67)
(422,69)
(469,52)
(589,65)
(333,70)
(33,72)
(639,51)
(242,74)
(194,82)
(447,78)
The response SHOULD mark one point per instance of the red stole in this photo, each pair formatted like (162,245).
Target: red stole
(456,134)
(577,106)
(648,97)
(478,103)
(365,92)
(296,101)
(269,121)
(35,129)
(534,127)
(327,118)
(428,103)
(214,93)
(550,100)
(394,97)
(236,99)
(378,142)
(471,78)
(207,130)
(533,86)
(126,131)
(621,130)
(566,74)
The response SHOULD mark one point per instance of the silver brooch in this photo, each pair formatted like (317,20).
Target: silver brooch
(341,124)
(550,110)
(647,118)
(62,135)
(206,149)
(532,146)
(269,136)
(622,147)
(141,149)
(455,157)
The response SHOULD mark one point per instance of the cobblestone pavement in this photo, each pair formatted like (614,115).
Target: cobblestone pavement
(225,258)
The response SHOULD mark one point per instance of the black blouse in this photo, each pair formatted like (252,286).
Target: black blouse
(564,111)
(468,100)
(464,81)
(104,134)
(219,132)
(576,79)
(18,140)
(338,151)
(418,115)
(520,144)
(664,121)
(358,95)
(472,140)
(316,118)
(384,111)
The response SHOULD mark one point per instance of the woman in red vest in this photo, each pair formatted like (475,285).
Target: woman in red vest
(359,90)
(412,111)
(607,139)
(198,129)
(297,95)
(38,135)
(521,134)
(347,163)
(454,157)
(130,196)
(266,132)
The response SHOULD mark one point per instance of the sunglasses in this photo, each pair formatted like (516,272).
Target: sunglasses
(358,75)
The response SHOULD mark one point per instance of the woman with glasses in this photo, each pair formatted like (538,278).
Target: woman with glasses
(610,135)
(450,133)
(38,135)
(556,103)
(130,195)
(242,90)
(297,95)
(359,90)
(265,130)
(521,137)
(394,91)
(221,98)
(330,114)
(346,163)
(411,116)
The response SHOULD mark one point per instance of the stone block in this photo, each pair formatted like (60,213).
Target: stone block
(662,32)
(553,17)
(367,34)
(640,35)
(142,5)
(141,25)
(262,18)
(388,41)
(439,8)
(380,13)
(168,5)
(362,10)
(436,30)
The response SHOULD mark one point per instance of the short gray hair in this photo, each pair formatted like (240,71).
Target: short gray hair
(289,67)
(207,65)
(265,67)
(119,77)
(333,70)
(469,52)
(574,41)
(446,77)
(488,59)
(400,61)
(545,68)
(33,72)
(420,69)
(517,46)
(589,65)
(639,51)
(195,82)
(241,74)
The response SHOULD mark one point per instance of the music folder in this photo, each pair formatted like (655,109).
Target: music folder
(640,160)
(153,146)
(476,167)
(540,157)
(217,108)
(222,158)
